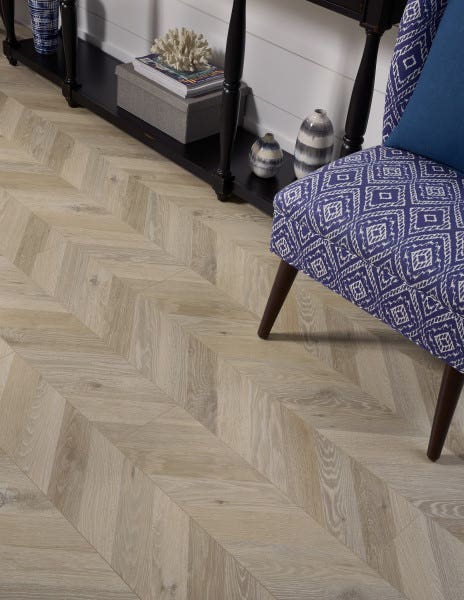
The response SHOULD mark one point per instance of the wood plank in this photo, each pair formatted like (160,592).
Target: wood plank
(41,555)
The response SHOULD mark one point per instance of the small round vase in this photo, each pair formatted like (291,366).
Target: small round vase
(266,156)
(44,20)
(314,144)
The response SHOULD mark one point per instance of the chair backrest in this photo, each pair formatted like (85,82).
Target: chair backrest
(418,26)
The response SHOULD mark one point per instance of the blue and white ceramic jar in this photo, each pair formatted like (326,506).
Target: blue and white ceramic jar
(44,20)
(315,143)
(266,156)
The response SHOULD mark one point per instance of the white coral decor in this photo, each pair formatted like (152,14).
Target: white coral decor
(183,50)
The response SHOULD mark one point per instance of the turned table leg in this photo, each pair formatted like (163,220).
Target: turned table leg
(69,33)
(361,97)
(233,69)
(8,15)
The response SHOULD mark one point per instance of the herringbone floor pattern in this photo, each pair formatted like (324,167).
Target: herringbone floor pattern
(196,461)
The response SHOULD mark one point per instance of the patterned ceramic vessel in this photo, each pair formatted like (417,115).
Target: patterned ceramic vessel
(44,20)
(266,156)
(314,144)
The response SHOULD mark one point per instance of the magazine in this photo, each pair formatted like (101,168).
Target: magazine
(187,85)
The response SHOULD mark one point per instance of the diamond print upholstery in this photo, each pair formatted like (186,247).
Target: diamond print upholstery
(383,227)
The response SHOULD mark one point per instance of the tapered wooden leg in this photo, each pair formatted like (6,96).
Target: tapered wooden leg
(69,33)
(7,10)
(283,282)
(450,390)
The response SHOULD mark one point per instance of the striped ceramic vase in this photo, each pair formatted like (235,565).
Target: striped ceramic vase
(266,156)
(315,143)
(44,20)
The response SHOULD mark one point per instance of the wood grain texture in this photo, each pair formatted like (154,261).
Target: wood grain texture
(160,484)
(198,460)
(42,557)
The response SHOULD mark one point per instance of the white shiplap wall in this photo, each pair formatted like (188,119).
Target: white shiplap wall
(299,56)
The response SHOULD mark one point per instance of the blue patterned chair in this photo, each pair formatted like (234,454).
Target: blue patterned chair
(385,229)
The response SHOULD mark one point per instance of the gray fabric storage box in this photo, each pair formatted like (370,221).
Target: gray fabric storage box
(186,120)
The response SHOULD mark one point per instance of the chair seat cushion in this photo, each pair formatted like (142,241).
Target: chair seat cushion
(385,228)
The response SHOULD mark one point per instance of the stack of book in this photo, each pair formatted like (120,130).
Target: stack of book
(186,85)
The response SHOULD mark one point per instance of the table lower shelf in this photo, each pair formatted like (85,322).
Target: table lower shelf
(98,93)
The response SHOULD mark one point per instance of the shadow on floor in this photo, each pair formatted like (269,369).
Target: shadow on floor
(339,338)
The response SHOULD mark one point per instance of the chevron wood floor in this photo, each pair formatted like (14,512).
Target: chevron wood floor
(41,554)
(159,447)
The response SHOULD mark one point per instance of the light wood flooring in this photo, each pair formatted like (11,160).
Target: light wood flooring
(152,445)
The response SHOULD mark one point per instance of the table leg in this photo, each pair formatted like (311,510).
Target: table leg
(69,33)
(361,97)
(10,42)
(233,69)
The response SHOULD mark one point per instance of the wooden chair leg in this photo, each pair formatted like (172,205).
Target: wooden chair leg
(283,282)
(450,390)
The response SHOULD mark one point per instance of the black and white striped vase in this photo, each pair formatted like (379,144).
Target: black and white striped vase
(266,156)
(314,144)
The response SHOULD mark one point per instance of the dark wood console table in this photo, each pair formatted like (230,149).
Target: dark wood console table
(87,78)
(375,16)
